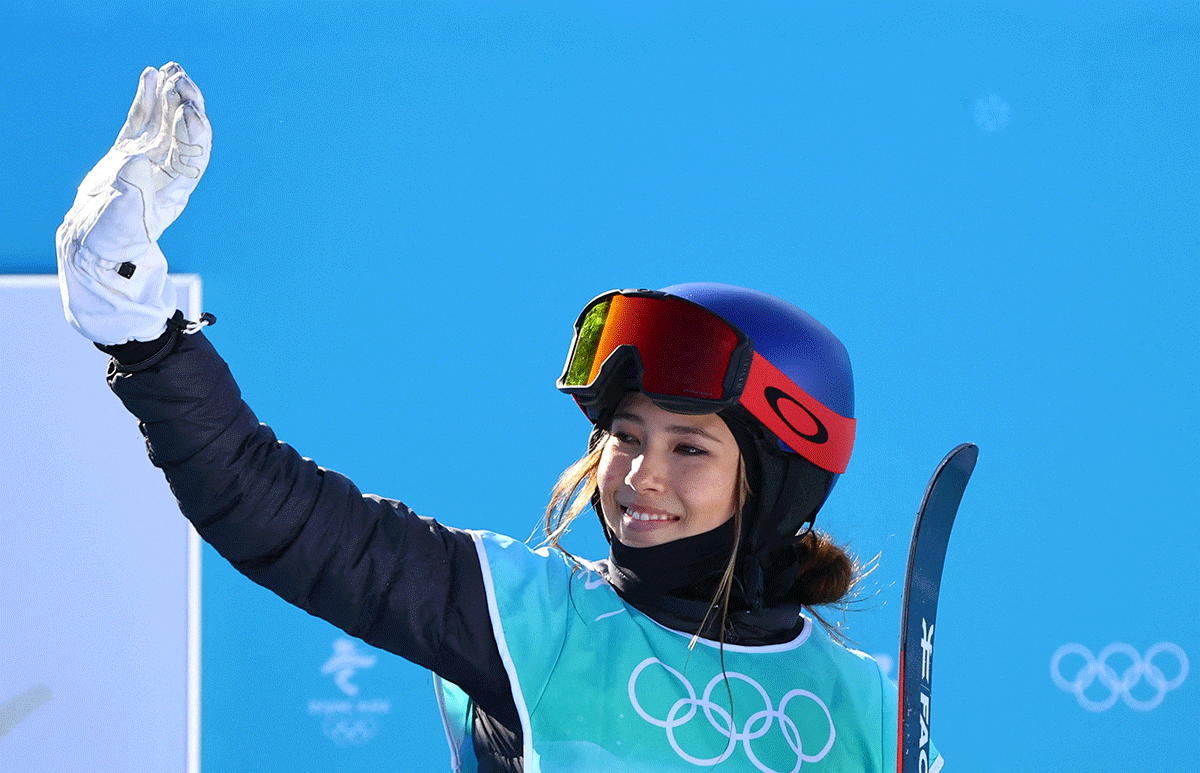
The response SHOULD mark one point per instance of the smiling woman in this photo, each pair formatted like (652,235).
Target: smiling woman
(722,417)
(704,505)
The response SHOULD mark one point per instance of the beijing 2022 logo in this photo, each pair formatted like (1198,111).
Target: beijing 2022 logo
(349,719)
(1097,685)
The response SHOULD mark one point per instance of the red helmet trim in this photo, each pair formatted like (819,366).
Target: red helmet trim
(802,422)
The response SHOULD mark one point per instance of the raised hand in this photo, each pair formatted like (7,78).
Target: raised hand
(112,274)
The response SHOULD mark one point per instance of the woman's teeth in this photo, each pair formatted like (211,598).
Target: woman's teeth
(639,516)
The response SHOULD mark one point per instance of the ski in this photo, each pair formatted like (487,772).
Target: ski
(922,581)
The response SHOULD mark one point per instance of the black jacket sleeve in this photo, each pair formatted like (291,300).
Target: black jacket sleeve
(368,565)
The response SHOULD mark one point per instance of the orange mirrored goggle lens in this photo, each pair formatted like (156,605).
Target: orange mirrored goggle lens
(685,350)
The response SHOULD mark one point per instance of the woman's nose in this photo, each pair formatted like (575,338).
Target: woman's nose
(644,474)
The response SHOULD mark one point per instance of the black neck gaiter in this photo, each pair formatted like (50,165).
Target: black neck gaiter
(690,567)
(674,583)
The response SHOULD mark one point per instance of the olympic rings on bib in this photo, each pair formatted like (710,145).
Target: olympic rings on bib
(1096,668)
(756,725)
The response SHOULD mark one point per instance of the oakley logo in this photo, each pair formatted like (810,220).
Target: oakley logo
(1113,685)
(756,726)
(773,395)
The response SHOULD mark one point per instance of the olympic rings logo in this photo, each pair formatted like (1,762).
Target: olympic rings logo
(343,729)
(1120,685)
(756,726)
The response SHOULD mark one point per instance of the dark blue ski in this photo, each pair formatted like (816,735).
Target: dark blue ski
(926,555)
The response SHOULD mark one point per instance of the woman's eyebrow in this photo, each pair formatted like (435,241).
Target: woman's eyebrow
(681,429)
(627,416)
(687,429)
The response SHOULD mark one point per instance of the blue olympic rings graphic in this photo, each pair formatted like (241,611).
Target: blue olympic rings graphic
(1120,685)
(345,729)
(756,725)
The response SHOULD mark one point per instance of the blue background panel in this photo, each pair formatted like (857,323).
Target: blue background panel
(995,205)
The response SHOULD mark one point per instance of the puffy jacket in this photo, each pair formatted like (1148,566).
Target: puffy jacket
(368,565)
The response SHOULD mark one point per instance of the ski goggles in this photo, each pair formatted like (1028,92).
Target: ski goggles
(690,360)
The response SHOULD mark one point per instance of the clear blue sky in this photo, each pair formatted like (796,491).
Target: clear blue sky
(995,205)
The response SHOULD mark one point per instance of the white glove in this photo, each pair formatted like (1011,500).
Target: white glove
(112,275)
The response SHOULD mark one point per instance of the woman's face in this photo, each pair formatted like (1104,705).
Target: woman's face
(664,476)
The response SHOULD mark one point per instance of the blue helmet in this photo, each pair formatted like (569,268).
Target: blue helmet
(805,353)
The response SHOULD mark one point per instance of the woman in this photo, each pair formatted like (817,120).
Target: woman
(721,420)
